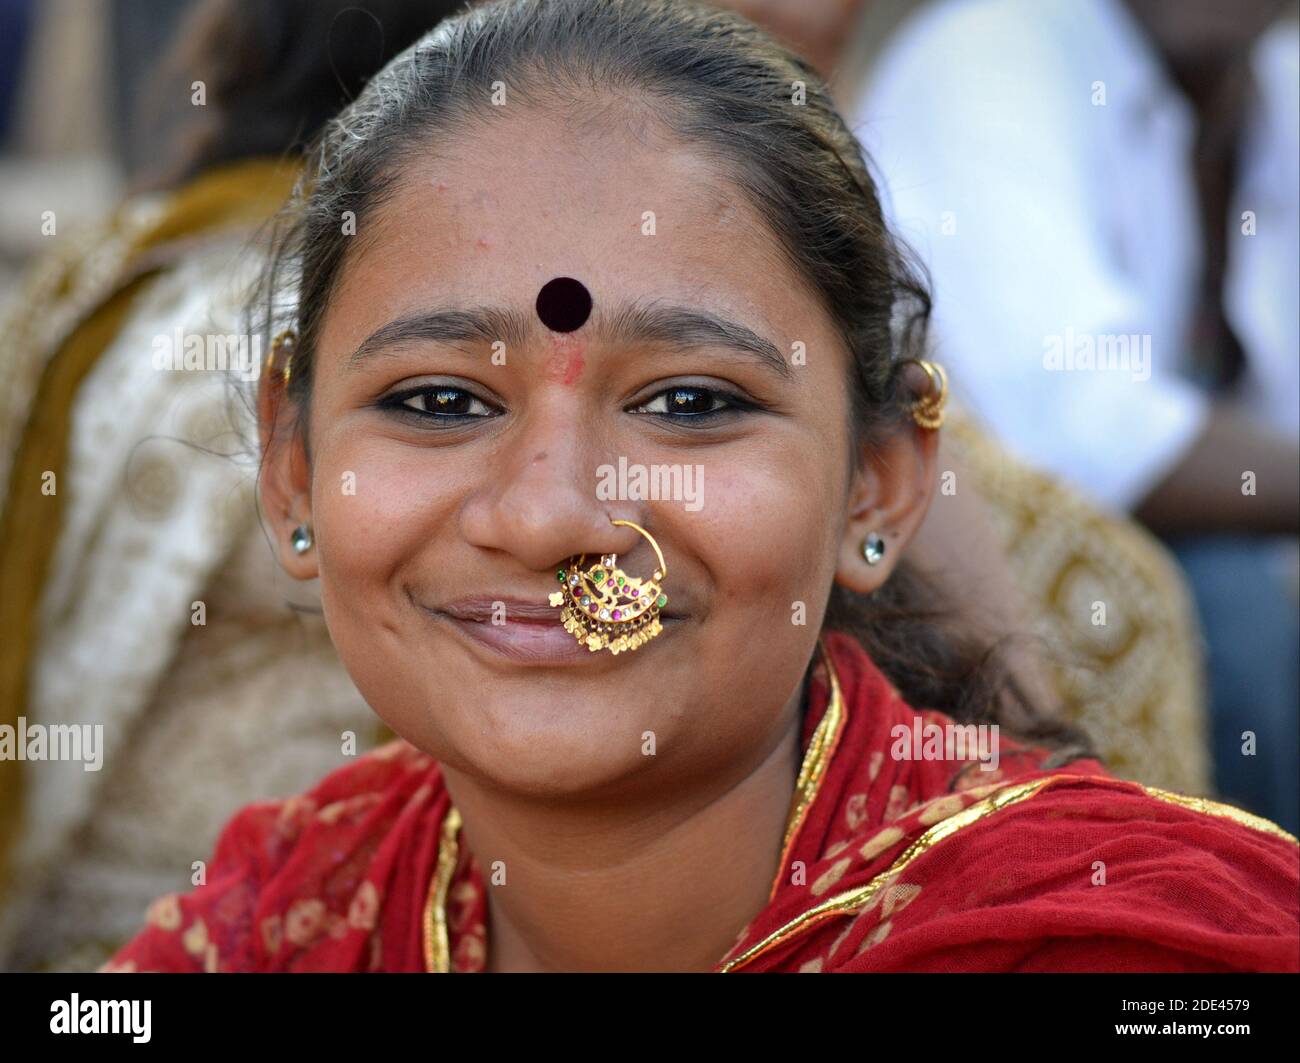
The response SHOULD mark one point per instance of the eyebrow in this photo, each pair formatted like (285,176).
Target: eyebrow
(686,327)
(480,324)
(665,325)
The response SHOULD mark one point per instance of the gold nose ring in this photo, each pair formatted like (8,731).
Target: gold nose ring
(604,607)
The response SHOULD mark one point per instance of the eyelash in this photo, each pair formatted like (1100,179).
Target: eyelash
(398,404)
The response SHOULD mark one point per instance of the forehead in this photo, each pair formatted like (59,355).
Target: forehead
(525,196)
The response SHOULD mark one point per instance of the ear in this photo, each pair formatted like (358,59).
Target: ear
(890,495)
(284,486)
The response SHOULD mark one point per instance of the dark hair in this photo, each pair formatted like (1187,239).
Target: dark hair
(765,116)
(273,74)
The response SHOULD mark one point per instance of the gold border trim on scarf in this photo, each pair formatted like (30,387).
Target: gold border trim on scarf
(1218,808)
(854,899)
(817,757)
(437,946)
(821,748)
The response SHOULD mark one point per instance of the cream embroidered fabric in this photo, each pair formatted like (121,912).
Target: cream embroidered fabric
(1124,652)
(198,720)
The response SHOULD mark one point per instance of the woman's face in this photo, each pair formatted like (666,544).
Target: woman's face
(417,514)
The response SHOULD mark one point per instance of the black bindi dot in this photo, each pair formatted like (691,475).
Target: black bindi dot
(563,304)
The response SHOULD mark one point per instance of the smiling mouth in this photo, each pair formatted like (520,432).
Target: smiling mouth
(522,632)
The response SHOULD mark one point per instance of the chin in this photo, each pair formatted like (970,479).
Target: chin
(551,770)
(540,747)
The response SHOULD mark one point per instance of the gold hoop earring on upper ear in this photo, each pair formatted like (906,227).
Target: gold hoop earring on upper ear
(286,340)
(927,411)
(608,609)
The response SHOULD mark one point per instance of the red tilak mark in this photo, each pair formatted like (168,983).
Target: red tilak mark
(573,370)
(565,362)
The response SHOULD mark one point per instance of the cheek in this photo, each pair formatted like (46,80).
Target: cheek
(767,531)
(376,507)
(372,545)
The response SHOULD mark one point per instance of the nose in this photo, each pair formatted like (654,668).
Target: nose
(538,502)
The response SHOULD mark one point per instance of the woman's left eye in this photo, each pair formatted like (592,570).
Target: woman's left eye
(439,402)
(686,403)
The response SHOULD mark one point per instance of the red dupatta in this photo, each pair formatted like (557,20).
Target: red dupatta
(937,865)
(887,864)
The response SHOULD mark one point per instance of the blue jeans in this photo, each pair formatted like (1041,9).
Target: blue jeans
(1250,618)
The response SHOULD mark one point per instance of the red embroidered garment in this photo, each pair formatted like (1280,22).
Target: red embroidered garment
(888,865)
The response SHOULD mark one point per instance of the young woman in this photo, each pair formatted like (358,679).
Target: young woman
(551,245)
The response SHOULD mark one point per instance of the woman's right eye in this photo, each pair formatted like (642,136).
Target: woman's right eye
(439,402)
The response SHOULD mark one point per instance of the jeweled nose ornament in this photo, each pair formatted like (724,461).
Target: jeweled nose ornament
(604,607)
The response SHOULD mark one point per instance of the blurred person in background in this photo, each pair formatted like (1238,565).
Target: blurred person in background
(1107,196)
(139,592)
(15,25)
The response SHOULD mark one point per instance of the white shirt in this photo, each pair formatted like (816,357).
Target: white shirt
(1037,157)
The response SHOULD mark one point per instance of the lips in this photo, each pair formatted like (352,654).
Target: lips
(483,610)
(480,609)
(531,634)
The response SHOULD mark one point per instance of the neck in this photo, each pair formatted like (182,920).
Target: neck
(612,887)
